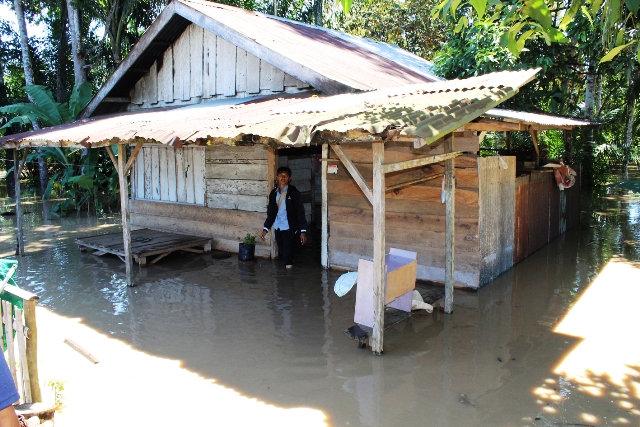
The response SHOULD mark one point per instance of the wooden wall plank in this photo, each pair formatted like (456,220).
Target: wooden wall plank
(139,182)
(290,81)
(237,201)
(235,154)
(164,178)
(171,174)
(181,190)
(209,65)
(415,221)
(266,73)
(252,171)
(189,173)
(137,92)
(155,173)
(226,68)
(237,186)
(150,95)
(181,67)
(148,168)
(404,206)
(241,70)
(253,74)
(277,80)
(199,172)
(196,39)
(165,76)
(200,213)
(521,220)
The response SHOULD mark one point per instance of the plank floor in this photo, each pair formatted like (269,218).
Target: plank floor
(145,243)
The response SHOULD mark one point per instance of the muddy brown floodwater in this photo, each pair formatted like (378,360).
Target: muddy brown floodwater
(204,341)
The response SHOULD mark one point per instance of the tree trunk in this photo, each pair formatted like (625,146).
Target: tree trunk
(632,95)
(28,77)
(61,75)
(588,144)
(24,42)
(77,54)
(317,9)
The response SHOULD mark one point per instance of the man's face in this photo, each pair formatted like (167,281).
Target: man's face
(283,179)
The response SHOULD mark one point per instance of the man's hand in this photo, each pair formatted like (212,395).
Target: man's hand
(303,238)
(264,233)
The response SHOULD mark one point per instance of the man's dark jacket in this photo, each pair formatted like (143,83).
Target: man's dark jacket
(295,210)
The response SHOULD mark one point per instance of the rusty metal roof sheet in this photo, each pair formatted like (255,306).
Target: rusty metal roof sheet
(330,61)
(545,120)
(336,58)
(427,111)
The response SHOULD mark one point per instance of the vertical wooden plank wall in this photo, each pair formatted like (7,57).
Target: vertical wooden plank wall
(415,215)
(207,183)
(199,65)
(543,212)
(497,209)
(170,174)
(521,219)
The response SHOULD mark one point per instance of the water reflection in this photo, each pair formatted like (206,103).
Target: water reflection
(277,335)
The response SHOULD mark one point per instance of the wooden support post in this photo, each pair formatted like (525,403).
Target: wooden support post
(534,137)
(124,208)
(272,165)
(324,245)
(29,306)
(111,156)
(133,157)
(17,171)
(449,188)
(377,336)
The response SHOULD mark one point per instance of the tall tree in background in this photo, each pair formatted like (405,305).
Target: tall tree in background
(28,77)
(75,35)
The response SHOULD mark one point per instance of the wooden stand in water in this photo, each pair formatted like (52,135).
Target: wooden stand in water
(145,243)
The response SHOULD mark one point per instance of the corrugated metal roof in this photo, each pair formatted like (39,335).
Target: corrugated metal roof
(427,111)
(536,118)
(336,58)
(330,61)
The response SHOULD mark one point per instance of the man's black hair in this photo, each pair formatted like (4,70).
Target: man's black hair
(284,169)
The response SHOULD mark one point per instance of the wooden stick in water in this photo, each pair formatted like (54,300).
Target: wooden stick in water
(81,350)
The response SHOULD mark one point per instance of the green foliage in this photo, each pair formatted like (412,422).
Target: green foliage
(407,24)
(249,239)
(57,387)
(44,109)
(82,179)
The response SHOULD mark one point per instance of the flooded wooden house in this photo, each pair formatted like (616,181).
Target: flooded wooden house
(211,96)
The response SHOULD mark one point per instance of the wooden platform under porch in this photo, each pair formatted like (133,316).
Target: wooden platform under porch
(145,243)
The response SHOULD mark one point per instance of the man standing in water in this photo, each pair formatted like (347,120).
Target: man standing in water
(285,212)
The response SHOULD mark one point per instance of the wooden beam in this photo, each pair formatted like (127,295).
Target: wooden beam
(355,174)
(17,171)
(124,208)
(272,165)
(111,156)
(29,307)
(377,337)
(132,159)
(413,182)
(493,125)
(450,215)
(116,99)
(416,163)
(324,244)
(534,137)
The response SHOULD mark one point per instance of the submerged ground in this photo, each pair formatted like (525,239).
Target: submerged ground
(204,341)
